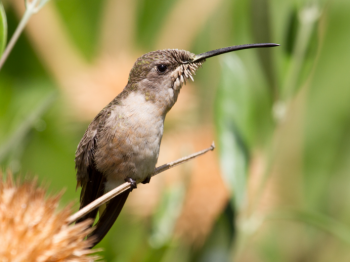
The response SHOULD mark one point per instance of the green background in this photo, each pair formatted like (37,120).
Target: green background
(283,111)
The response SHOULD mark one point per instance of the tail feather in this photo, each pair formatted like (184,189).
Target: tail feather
(91,190)
(108,217)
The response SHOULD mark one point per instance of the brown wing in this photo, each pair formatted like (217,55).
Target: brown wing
(88,177)
(93,181)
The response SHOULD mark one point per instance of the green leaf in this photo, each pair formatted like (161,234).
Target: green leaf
(231,122)
(3,29)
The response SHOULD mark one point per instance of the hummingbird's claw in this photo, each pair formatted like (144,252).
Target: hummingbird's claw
(132,182)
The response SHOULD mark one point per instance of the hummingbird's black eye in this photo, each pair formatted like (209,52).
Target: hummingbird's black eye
(161,68)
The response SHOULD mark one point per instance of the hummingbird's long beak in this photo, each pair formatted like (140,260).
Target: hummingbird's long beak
(230,49)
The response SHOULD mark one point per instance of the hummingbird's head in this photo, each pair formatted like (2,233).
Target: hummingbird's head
(159,75)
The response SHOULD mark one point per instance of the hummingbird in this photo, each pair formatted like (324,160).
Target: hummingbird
(122,142)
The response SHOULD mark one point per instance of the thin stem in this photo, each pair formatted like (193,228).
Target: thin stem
(30,10)
(308,17)
(182,160)
(98,202)
(120,189)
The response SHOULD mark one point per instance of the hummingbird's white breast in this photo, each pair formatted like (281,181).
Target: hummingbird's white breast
(132,150)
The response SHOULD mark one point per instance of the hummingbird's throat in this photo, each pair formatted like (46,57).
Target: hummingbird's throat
(183,72)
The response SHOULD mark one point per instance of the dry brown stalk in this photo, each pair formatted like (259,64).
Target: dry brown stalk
(120,189)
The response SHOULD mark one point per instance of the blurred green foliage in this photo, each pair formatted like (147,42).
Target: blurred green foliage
(83,23)
(286,107)
(3,28)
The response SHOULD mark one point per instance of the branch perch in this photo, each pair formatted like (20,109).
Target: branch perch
(120,189)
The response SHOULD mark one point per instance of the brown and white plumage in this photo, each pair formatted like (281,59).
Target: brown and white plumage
(123,140)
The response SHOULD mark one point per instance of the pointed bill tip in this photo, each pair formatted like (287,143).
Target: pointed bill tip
(231,49)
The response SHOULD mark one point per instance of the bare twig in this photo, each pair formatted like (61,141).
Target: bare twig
(120,189)
(31,8)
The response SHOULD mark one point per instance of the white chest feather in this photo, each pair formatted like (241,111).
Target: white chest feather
(140,124)
(147,125)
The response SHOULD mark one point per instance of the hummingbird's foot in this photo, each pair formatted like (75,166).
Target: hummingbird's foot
(132,182)
(147,180)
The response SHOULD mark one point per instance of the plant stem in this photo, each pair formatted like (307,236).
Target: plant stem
(308,16)
(30,10)
(120,189)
